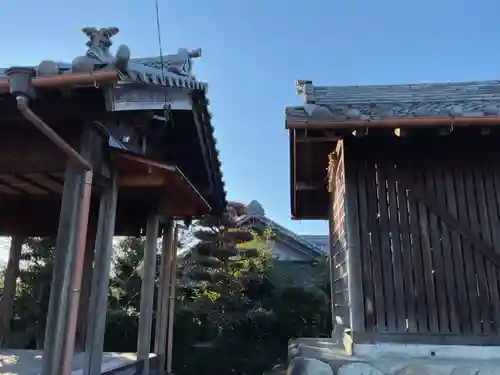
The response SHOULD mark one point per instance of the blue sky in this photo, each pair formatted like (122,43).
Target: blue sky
(254,50)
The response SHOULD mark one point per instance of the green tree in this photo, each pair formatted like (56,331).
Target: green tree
(125,284)
(2,274)
(222,285)
(124,295)
(234,316)
(32,297)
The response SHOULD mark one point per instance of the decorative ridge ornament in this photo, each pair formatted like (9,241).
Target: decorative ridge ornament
(181,63)
(174,70)
(99,43)
(98,53)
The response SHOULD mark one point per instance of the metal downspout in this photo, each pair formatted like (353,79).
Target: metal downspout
(28,114)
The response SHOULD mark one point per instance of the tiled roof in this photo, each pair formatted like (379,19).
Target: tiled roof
(320,241)
(139,72)
(378,102)
(142,70)
(170,70)
(314,247)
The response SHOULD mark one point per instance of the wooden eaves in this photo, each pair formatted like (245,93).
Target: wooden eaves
(178,197)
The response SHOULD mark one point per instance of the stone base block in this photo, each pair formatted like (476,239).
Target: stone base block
(327,357)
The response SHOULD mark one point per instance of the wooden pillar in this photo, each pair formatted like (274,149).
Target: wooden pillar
(331,263)
(63,266)
(162,303)
(147,293)
(100,280)
(9,289)
(83,307)
(354,278)
(171,305)
(73,219)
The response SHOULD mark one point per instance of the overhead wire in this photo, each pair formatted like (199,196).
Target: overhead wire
(167,106)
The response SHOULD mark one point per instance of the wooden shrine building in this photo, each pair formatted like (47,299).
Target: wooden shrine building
(106,145)
(409,178)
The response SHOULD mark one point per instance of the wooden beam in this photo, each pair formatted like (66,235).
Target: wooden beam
(21,184)
(395,122)
(9,190)
(170,209)
(44,181)
(141,180)
(306,139)
(310,186)
(117,155)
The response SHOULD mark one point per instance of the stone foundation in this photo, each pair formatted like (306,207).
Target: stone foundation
(327,357)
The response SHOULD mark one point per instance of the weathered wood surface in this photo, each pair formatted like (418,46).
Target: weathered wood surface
(147,290)
(429,233)
(98,299)
(338,249)
(353,256)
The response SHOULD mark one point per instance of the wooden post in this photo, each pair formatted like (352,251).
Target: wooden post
(354,278)
(61,319)
(161,292)
(163,295)
(147,293)
(171,305)
(83,307)
(100,280)
(76,276)
(9,288)
(63,266)
(331,263)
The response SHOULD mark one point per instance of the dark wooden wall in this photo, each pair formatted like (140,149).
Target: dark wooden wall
(423,218)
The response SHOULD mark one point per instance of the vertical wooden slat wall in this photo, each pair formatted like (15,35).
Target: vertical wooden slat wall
(428,221)
(340,293)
